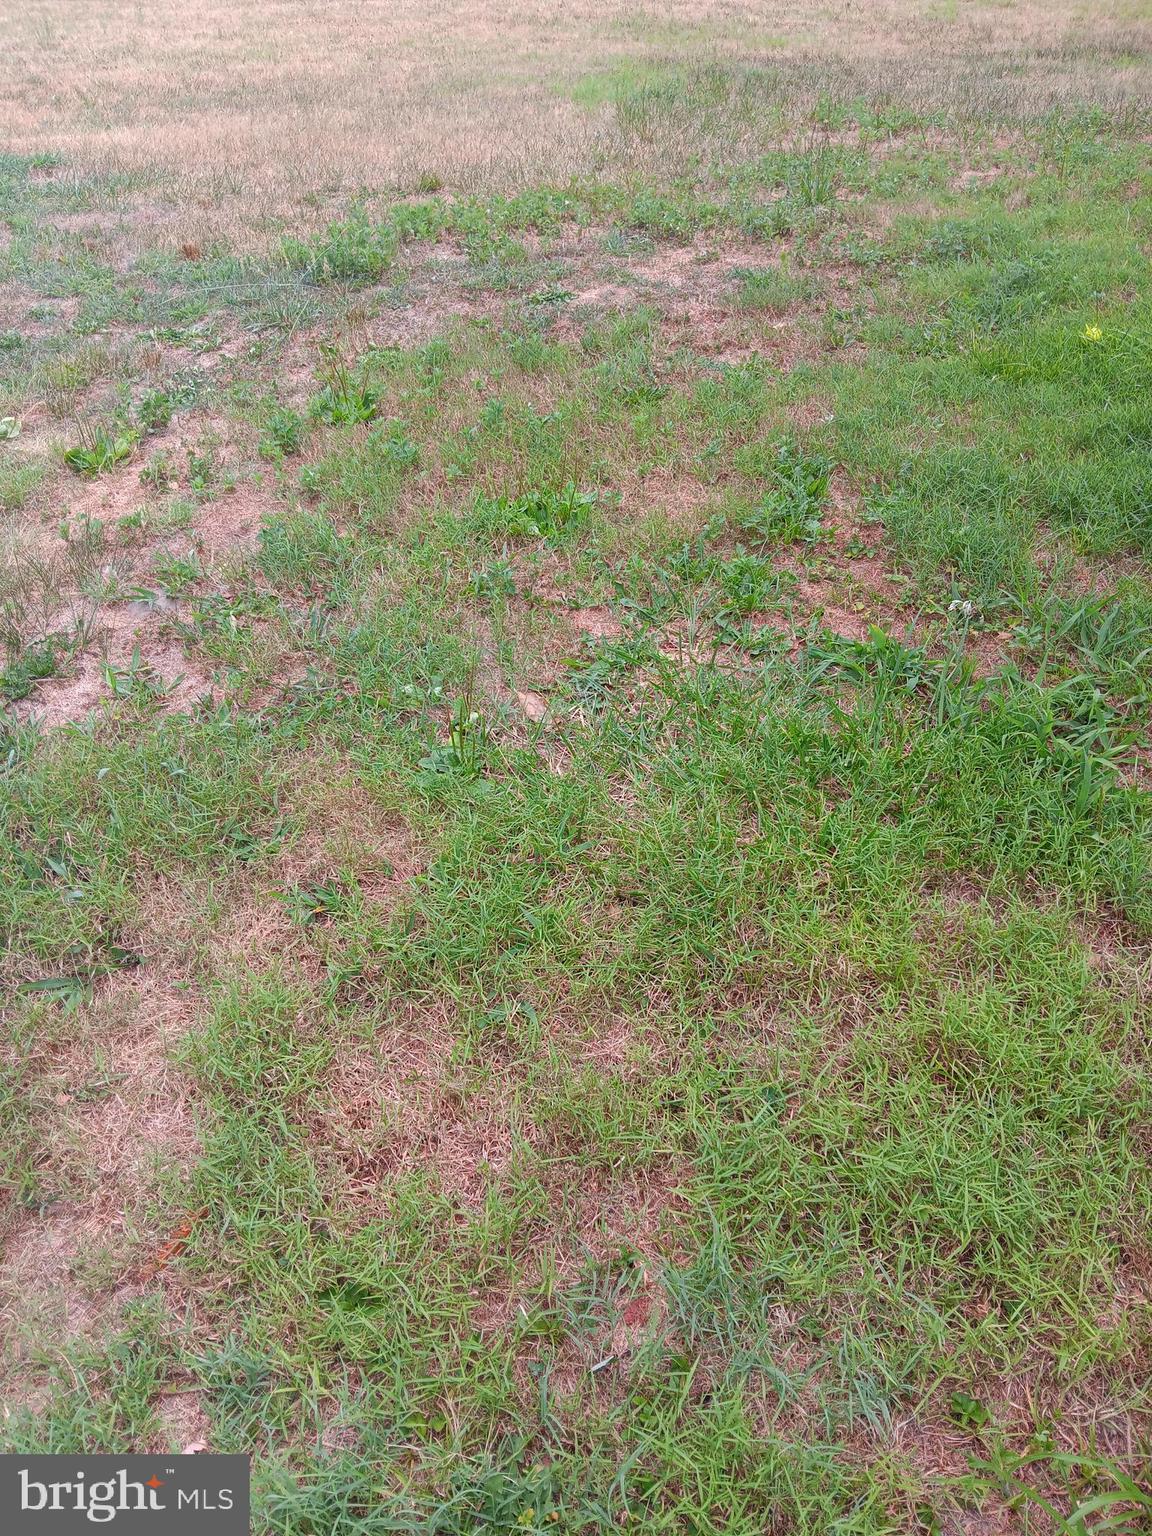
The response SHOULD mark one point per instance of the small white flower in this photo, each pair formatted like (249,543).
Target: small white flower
(962,606)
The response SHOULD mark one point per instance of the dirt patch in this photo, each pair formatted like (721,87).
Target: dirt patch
(185,1427)
(117,235)
(128,650)
(121,542)
(1073,1419)
(35,316)
(230,524)
(1116,948)
(701,268)
(693,290)
(958,892)
(601,296)
(107,498)
(397,1107)
(1097,576)
(596,623)
(597,1276)
(665,499)
(637,1215)
(114,1110)
(815,600)
(338,835)
(342,829)
(533,705)
(846,583)
(437,304)
(972,180)
(110,497)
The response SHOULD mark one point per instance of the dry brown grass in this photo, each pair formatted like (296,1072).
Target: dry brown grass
(113,1108)
(271,111)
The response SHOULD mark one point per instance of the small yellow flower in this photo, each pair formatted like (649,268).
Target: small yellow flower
(1092,333)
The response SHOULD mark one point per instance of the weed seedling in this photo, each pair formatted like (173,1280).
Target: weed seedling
(466,750)
(283,434)
(137,680)
(100,449)
(159,473)
(495,580)
(314,904)
(155,410)
(207,474)
(344,398)
(178,572)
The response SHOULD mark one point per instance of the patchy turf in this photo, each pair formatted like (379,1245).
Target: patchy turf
(576,839)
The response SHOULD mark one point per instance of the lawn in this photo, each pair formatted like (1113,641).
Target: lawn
(575,778)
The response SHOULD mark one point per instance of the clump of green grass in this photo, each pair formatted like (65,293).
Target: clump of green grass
(773,290)
(19,478)
(19,678)
(352,250)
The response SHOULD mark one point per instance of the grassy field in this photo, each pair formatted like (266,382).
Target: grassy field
(575,780)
